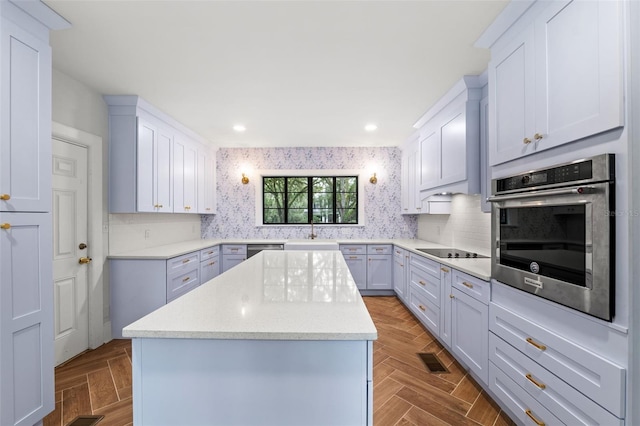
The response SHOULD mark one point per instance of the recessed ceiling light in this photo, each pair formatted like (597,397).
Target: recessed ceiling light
(239,128)
(370,127)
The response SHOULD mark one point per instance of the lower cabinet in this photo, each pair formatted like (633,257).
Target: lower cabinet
(371,267)
(209,264)
(469,333)
(232,255)
(140,286)
(401,273)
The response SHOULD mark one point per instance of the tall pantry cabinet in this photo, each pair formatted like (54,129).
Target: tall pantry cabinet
(26,287)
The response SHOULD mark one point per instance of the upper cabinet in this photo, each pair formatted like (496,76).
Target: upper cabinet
(449,142)
(410,165)
(541,96)
(173,170)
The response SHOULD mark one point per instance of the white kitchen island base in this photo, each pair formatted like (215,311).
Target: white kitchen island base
(251,382)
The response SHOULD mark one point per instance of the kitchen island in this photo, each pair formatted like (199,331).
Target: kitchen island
(284,338)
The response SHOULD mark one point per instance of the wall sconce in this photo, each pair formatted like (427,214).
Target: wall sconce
(373,179)
(245,179)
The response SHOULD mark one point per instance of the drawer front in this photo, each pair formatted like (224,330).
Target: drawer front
(234,249)
(599,379)
(474,287)
(209,252)
(425,283)
(209,269)
(180,264)
(427,265)
(399,253)
(565,402)
(354,249)
(527,410)
(427,312)
(181,284)
(380,249)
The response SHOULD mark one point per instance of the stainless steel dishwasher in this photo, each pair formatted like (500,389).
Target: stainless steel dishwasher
(253,249)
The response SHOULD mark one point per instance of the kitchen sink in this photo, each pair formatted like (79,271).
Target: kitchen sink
(311,245)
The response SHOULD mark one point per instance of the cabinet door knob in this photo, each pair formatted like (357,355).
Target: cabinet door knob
(5,197)
(526,141)
(5,226)
(537,136)
(84,260)
(422,308)
(451,296)
(444,269)
(422,282)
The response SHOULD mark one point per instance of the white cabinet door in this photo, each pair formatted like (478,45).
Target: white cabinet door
(429,159)
(26,318)
(399,273)
(163,175)
(147,135)
(25,135)
(358,267)
(453,148)
(470,333)
(578,70)
(380,272)
(206,181)
(184,177)
(512,107)
(410,171)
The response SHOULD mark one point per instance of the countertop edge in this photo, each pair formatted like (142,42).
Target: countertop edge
(150,334)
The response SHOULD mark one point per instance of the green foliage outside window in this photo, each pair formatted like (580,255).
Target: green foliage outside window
(299,200)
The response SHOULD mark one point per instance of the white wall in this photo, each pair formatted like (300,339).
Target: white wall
(138,231)
(466,228)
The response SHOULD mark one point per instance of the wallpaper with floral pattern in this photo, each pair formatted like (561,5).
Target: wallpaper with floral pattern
(236,202)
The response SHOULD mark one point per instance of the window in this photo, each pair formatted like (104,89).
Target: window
(301,199)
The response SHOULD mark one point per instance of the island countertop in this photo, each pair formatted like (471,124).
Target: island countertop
(275,295)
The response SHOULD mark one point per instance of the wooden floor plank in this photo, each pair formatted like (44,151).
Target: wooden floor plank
(467,390)
(384,390)
(101,388)
(421,417)
(484,410)
(75,402)
(121,371)
(390,412)
(504,420)
(118,414)
(436,409)
(55,419)
(421,374)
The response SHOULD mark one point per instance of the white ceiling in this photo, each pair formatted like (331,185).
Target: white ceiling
(295,73)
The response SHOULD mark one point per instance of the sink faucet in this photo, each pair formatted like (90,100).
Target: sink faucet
(312,235)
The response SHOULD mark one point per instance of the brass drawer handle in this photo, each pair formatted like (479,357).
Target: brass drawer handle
(532,417)
(422,308)
(184,280)
(536,344)
(534,381)
(5,226)
(186,261)
(422,283)
(5,197)
(466,284)
(158,206)
(212,263)
(444,269)
(208,208)
(353,257)
(210,252)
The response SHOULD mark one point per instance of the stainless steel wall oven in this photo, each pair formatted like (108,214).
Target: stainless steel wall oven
(554,233)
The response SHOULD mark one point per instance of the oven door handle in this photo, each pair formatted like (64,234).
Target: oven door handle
(564,191)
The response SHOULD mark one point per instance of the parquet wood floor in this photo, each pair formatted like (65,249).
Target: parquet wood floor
(405,393)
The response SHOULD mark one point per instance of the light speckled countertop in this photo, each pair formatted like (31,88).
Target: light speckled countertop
(479,268)
(275,295)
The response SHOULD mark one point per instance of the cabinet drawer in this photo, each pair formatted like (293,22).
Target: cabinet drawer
(178,265)
(474,287)
(234,249)
(379,249)
(209,269)
(427,265)
(527,410)
(599,379)
(353,249)
(565,402)
(427,312)
(209,252)
(181,284)
(426,284)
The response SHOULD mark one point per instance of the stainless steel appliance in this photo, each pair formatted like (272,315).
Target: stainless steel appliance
(253,249)
(451,253)
(554,233)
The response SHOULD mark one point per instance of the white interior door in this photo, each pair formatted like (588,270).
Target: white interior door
(70,277)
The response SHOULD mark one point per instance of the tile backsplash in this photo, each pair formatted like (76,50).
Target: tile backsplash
(236,202)
(142,230)
(466,228)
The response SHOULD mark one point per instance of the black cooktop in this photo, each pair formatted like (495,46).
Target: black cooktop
(452,253)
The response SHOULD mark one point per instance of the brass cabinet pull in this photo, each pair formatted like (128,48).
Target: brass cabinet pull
(451,296)
(187,207)
(422,308)
(84,260)
(536,344)
(210,252)
(186,260)
(212,263)
(444,269)
(534,381)
(208,208)
(537,136)
(532,417)
(526,141)
(466,284)
(353,257)
(184,280)
(5,226)
(5,197)
(422,282)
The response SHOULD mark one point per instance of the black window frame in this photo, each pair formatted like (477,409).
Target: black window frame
(310,200)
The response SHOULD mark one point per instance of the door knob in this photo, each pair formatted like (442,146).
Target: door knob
(82,246)
(83,260)
(5,197)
